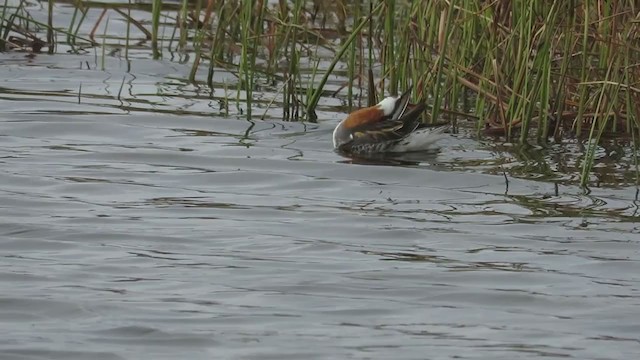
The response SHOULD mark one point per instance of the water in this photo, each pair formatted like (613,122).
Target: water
(150,225)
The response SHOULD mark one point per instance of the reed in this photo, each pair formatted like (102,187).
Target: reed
(524,71)
(538,70)
(50,33)
(6,23)
(218,41)
(128,35)
(155,26)
(82,12)
(315,96)
(247,58)
(103,57)
(354,70)
(292,74)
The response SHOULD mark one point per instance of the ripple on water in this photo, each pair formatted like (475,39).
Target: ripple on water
(163,236)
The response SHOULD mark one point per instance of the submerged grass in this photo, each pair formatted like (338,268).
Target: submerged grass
(524,71)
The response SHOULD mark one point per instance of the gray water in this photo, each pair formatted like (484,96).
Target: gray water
(157,226)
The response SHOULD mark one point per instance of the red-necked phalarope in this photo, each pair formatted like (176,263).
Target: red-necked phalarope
(391,126)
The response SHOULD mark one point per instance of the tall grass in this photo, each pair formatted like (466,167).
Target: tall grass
(538,70)
(525,71)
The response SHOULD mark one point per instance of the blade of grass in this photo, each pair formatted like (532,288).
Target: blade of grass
(315,97)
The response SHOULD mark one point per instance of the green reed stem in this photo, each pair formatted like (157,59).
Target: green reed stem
(600,121)
(219,40)
(104,47)
(184,11)
(199,36)
(561,92)
(371,93)
(437,99)
(197,43)
(351,61)
(50,33)
(126,44)
(583,70)
(247,57)
(76,10)
(4,29)
(389,66)
(315,97)
(156,8)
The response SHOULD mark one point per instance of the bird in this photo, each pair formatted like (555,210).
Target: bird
(391,126)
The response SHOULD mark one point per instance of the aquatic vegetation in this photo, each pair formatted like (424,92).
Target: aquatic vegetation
(521,71)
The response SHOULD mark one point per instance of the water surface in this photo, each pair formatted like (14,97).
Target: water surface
(159,225)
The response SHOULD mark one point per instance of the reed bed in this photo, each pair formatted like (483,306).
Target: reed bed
(523,71)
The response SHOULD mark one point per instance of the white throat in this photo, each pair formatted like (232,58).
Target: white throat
(388,104)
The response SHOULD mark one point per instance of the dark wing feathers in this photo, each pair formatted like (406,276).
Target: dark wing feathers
(395,127)
(401,104)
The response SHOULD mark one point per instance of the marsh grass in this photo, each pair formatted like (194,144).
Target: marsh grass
(538,70)
(523,71)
